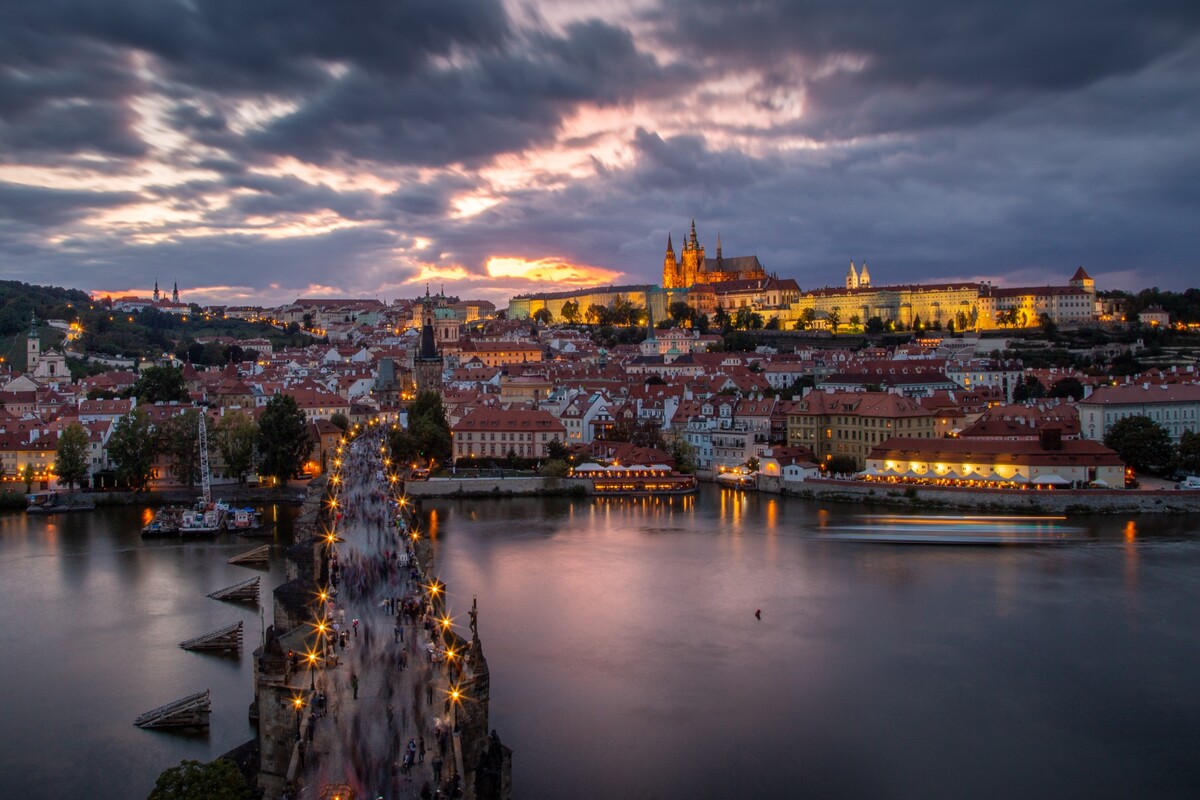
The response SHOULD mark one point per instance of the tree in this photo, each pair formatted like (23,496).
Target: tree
(570,311)
(283,440)
(554,468)
(340,421)
(1067,387)
(1124,364)
(682,314)
(806,319)
(233,354)
(1028,389)
(71,458)
(598,315)
(179,440)
(855,321)
(429,429)
(543,316)
(28,475)
(835,319)
(1141,443)
(1188,458)
(682,451)
(163,384)
(236,435)
(192,780)
(842,465)
(557,451)
(875,326)
(133,446)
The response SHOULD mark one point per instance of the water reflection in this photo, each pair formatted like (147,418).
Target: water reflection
(623,632)
(95,616)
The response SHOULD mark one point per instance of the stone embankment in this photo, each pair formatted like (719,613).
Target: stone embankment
(1029,501)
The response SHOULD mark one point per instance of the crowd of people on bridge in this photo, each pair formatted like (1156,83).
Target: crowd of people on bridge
(377,735)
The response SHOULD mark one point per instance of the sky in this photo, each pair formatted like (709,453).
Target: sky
(256,152)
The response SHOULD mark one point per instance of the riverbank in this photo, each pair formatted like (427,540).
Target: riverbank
(293,493)
(1027,501)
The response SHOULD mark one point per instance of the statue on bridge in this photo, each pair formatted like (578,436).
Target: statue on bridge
(474,614)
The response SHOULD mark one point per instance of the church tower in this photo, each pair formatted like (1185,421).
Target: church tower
(156,294)
(692,267)
(427,366)
(33,346)
(864,277)
(175,293)
(851,277)
(671,278)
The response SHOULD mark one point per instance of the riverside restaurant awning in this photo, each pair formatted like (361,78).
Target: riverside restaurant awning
(1051,480)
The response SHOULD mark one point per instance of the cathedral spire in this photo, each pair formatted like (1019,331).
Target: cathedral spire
(718,246)
(175,293)
(670,247)
(692,237)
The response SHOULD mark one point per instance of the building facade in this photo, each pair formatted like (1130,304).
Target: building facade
(1175,406)
(851,424)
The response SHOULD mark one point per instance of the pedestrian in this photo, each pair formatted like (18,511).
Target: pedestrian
(429,693)
(354,624)
(437,769)
(421,749)
(758,614)
(354,683)
(396,633)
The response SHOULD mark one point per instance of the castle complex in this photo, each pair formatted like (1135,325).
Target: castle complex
(693,268)
(707,284)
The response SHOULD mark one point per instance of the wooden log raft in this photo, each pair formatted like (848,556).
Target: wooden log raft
(244,592)
(188,712)
(259,556)
(228,638)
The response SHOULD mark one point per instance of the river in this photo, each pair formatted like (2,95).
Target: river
(627,660)
(93,620)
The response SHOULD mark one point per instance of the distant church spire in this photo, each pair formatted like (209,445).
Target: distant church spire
(175,293)
(670,247)
(156,295)
(718,245)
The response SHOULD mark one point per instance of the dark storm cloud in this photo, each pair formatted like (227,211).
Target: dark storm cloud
(927,62)
(503,102)
(56,103)
(429,199)
(39,207)
(237,260)
(265,45)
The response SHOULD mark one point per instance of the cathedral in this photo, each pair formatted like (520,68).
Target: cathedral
(693,268)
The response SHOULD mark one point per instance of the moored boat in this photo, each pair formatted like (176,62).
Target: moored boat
(165,522)
(243,520)
(201,521)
